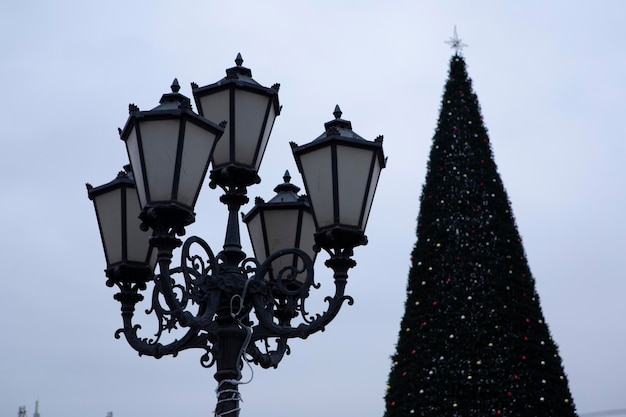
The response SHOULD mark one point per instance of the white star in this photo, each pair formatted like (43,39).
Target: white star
(455,43)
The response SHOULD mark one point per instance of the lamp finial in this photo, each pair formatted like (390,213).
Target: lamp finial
(175,86)
(337,113)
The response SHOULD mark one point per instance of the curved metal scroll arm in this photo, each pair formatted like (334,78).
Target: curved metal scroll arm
(277,291)
(129,297)
(196,288)
(284,300)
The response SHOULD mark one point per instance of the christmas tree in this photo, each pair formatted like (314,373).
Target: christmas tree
(473,340)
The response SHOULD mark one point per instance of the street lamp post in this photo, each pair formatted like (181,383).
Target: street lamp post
(234,307)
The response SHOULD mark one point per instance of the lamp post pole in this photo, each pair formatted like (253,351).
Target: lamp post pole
(234,307)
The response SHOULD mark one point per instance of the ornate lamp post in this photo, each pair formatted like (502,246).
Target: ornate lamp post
(233,307)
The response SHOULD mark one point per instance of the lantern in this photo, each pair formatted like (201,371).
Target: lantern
(170,148)
(340,171)
(129,256)
(249,110)
(284,222)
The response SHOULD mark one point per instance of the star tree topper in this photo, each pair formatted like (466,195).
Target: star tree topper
(456,43)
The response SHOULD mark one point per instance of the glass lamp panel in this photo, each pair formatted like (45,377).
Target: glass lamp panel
(370,196)
(353,169)
(132,146)
(255,230)
(159,139)
(307,235)
(317,171)
(137,241)
(109,211)
(250,111)
(195,161)
(271,117)
(216,108)
(281,228)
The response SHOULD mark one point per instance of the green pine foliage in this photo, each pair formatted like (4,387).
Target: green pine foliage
(473,339)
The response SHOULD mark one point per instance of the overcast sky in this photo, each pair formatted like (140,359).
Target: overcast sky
(550,79)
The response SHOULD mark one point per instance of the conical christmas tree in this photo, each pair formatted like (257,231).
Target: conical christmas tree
(473,339)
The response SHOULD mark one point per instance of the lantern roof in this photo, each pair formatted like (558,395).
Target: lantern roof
(171,105)
(341,129)
(285,192)
(123,177)
(174,100)
(238,76)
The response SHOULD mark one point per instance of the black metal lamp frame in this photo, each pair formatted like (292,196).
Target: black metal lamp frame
(227,288)
(224,303)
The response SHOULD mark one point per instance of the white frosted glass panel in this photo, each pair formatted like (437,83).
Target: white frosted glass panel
(133,156)
(266,135)
(137,240)
(250,111)
(317,170)
(215,107)
(160,142)
(307,239)
(372,190)
(108,207)
(281,228)
(353,171)
(255,231)
(196,154)
(281,225)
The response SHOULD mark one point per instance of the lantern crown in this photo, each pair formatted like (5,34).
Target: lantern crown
(174,100)
(286,192)
(339,126)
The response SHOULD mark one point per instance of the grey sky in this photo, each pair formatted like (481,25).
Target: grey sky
(550,80)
